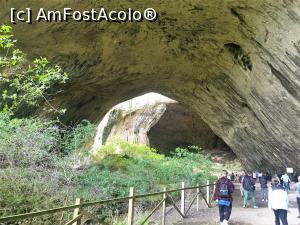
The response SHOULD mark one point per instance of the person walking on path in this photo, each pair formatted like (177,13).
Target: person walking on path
(278,201)
(269,177)
(249,190)
(232,177)
(223,194)
(263,180)
(241,178)
(286,180)
(297,190)
(295,177)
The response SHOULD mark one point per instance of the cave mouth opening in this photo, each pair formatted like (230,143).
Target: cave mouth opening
(161,123)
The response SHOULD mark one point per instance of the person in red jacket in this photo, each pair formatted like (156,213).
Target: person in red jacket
(223,194)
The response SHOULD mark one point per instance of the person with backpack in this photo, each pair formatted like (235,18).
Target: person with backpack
(278,201)
(223,195)
(263,180)
(297,190)
(249,190)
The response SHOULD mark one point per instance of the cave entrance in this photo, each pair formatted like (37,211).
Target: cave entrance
(180,126)
(161,123)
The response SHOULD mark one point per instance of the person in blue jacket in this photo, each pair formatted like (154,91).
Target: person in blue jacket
(263,180)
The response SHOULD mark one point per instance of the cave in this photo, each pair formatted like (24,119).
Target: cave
(179,126)
(236,63)
(160,123)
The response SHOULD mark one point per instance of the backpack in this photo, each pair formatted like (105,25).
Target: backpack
(223,190)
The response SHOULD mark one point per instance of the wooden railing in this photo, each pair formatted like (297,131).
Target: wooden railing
(79,207)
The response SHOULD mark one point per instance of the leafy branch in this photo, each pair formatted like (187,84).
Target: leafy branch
(24,83)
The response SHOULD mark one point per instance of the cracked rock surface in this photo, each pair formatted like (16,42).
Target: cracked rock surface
(235,62)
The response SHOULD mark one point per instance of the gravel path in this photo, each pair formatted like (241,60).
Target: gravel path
(240,215)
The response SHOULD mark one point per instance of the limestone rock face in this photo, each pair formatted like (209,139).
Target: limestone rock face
(133,126)
(235,62)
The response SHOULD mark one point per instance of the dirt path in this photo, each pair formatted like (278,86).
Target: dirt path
(242,216)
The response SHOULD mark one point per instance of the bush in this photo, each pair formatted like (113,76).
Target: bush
(27,142)
(120,147)
(120,165)
(36,173)
(75,137)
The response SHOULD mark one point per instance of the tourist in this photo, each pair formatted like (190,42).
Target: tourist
(241,177)
(286,180)
(297,190)
(232,177)
(295,177)
(269,177)
(263,180)
(249,190)
(223,194)
(278,201)
(279,177)
(254,175)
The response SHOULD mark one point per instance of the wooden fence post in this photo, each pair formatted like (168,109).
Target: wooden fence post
(131,207)
(76,213)
(197,197)
(207,192)
(214,188)
(182,199)
(163,216)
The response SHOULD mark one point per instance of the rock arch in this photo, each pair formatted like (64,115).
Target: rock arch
(235,62)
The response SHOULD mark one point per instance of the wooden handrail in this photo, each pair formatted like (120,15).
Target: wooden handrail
(86,204)
(74,219)
(154,210)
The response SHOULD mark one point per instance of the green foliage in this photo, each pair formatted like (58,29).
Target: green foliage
(119,160)
(118,146)
(35,173)
(24,83)
(119,165)
(25,190)
(27,142)
(77,136)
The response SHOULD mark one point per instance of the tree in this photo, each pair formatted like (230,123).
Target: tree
(26,84)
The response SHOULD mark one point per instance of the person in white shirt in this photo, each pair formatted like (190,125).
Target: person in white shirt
(278,201)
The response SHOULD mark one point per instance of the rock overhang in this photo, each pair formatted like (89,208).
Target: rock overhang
(235,62)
